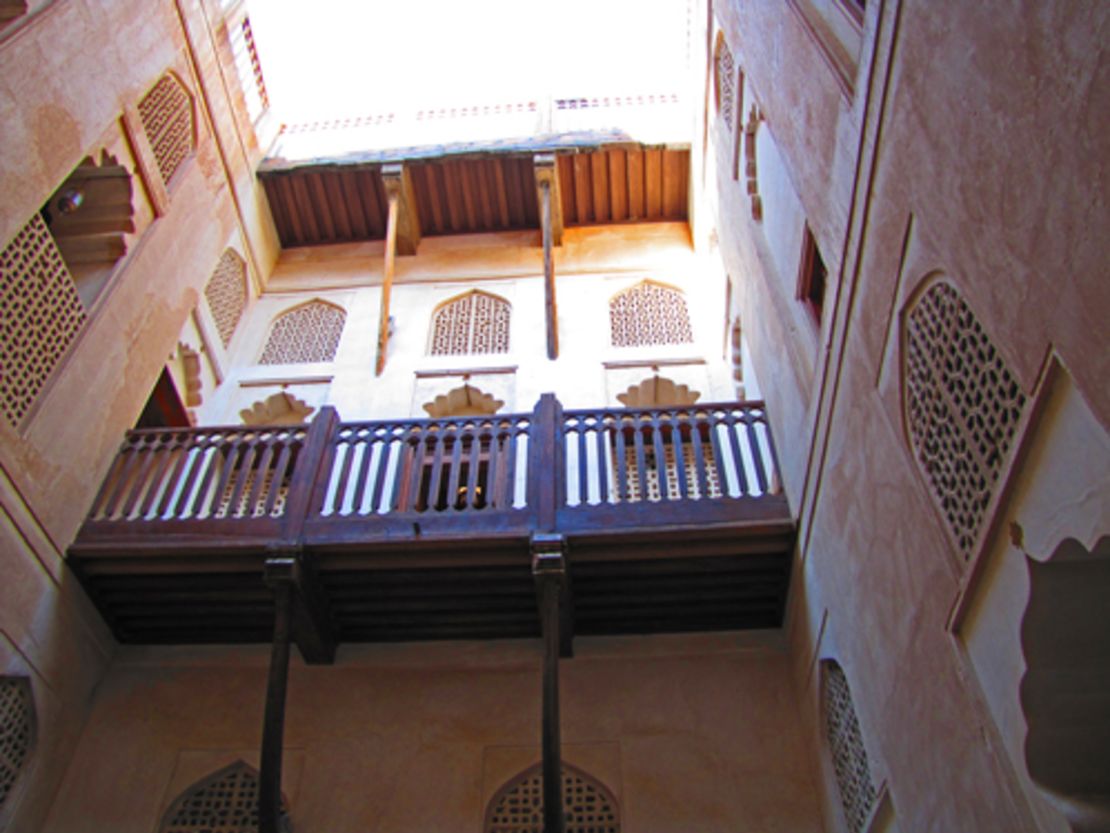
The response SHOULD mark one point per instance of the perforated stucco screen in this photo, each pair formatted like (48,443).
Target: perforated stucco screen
(649,314)
(167,116)
(309,333)
(853,774)
(16,731)
(474,323)
(40,315)
(587,806)
(723,75)
(962,406)
(226,802)
(226,294)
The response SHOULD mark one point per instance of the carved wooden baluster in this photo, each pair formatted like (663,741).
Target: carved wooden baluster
(757,452)
(679,456)
(602,446)
(696,425)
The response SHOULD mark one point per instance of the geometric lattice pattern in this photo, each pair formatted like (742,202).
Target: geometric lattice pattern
(962,406)
(648,314)
(587,806)
(723,74)
(17,730)
(309,333)
(476,322)
(670,470)
(40,316)
(226,802)
(167,116)
(853,774)
(226,294)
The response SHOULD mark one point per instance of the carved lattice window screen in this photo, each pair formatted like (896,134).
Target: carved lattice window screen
(476,322)
(308,333)
(724,79)
(962,406)
(227,294)
(167,116)
(225,802)
(649,314)
(17,730)
(587,805)
(40,316)
(853,773)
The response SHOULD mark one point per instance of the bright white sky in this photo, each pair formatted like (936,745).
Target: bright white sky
(334,58)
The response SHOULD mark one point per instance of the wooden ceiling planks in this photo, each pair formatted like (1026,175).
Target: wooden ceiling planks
(467,195)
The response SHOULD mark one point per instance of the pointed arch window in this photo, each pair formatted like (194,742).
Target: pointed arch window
(962,405)
(308,333)
(588,806)
(226,294)
(649,314)
(476,322)
(17,731)
(166,113)
(849,757)
(224,802)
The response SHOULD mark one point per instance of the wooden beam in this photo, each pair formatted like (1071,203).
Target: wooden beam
(398,180)
(311,624)
(551,222)
(549,571)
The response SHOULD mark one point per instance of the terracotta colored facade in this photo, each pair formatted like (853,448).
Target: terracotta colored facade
(895,221)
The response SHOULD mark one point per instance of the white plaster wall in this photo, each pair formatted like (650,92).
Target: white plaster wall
(579,377)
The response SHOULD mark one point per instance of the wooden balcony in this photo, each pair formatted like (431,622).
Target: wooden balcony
(671,520)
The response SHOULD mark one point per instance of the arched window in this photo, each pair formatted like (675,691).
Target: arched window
(475,322)
(588,805)
(723,79)
(167,116)
(962,405)
(17,730)
(649,314)
(849,757)
(657,392)
(224,802)
(226,294)
(40,316)
(308,333)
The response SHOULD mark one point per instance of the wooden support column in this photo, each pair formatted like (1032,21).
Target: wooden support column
(299,613)
(273,723)
(402,236)
(549,571)
(551,221)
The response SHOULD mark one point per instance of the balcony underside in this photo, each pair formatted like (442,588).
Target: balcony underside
(669,521)
(624,580)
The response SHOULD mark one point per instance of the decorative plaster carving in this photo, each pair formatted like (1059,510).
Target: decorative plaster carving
(278,409)
(466,400)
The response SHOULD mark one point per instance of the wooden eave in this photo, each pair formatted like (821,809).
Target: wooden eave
(476,188)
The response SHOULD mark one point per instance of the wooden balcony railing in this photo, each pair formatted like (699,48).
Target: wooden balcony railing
(334,484)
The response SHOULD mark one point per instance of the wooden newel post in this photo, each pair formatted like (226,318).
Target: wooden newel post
(273,724)
(545,465)
(549,572)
